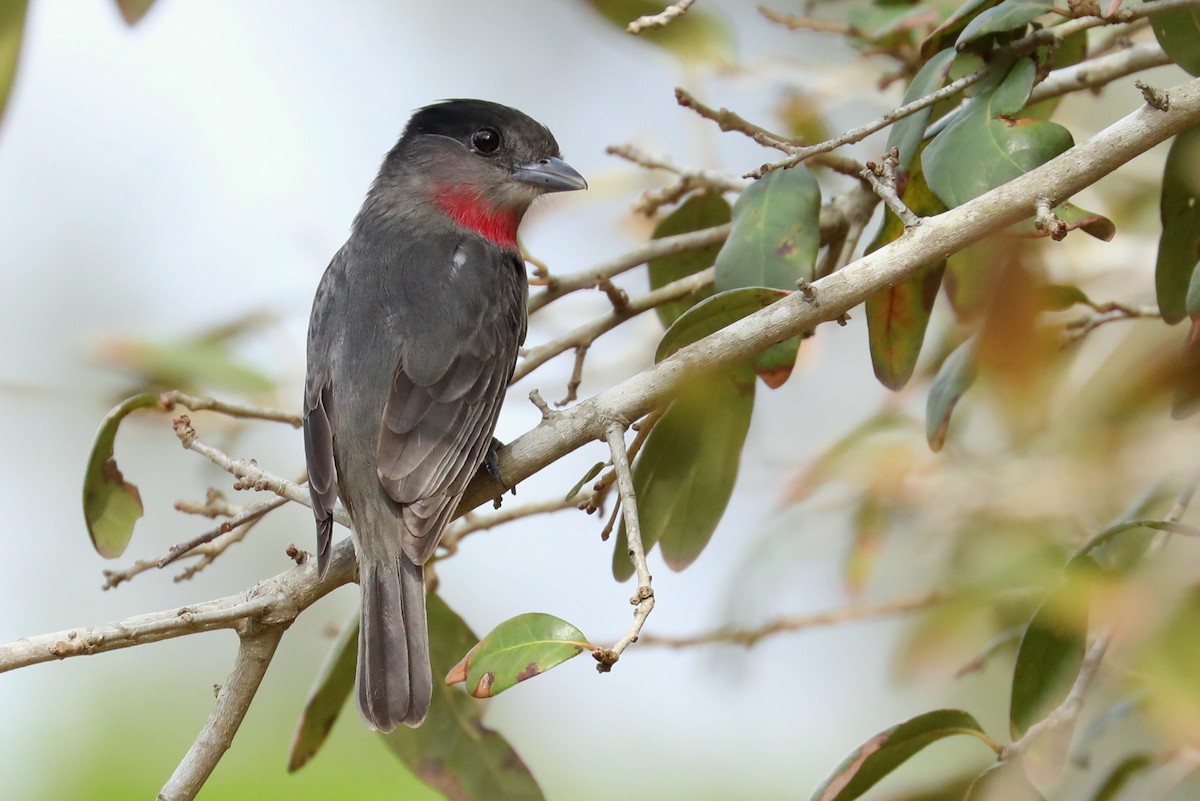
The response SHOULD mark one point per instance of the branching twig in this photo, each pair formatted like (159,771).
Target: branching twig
(1079,328)
(661,19)
(1000,60)
(835,617)
(882,178)
(247,515)
(643,600)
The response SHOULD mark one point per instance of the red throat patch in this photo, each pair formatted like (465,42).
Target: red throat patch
(467,209)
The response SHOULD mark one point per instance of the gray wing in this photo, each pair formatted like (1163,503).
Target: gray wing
(445,396)
(318,411)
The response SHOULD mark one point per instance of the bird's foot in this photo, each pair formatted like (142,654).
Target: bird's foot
(493,469)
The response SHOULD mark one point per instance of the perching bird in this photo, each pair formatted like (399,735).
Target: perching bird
(411,344)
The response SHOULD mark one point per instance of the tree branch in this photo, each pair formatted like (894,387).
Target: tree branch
(253,658)
(643,600)
(661,19)
(834,617)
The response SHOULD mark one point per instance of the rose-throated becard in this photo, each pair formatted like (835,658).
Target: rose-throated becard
(411,344)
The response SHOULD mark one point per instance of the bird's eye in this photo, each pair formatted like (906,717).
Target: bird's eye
(485,140)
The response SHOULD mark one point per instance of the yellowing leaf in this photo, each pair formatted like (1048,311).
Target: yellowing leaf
(111,505)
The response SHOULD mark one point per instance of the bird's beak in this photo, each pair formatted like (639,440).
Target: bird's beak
(550,175)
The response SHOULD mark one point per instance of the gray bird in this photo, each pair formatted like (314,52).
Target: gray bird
(411,344)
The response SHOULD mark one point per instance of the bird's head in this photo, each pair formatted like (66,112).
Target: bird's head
(480,163)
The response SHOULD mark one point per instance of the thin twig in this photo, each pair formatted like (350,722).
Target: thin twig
(1104,313)
(1097,72)
(643,600)
(589,332)
(247,515)
(471,524)
(654,249)
(253,658)
(576,378)
(600,489)
(661,19)
(834,617)
(1002,59)
(168,400)
(882,178)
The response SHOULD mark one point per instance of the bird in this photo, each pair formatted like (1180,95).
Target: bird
(412,341)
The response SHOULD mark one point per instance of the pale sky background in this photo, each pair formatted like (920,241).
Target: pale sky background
(207,163)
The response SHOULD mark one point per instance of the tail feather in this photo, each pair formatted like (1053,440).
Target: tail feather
(395,680)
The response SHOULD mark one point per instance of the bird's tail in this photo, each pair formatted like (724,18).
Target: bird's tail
(395,680)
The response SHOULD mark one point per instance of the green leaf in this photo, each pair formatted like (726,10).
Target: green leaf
(1120,775)
(12,26)
(1011,16)
(696,214)
(695,37)
(955,376)
(890,749)
(1003,782)
(592,472)
(453,751)
(898,316)
(1179,246)
(944,34)
(906,134)
(518,649)
(111,505)
(773,365)
(133,10)
(984,146)
(333,686)
(1052,649)
(685,474)
(1179,34)
(776,233)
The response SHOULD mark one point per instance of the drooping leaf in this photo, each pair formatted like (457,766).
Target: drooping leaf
(1179,246)
(985,146)
(696,36)
(12,27)
(1052,648)
(592,472)
(898,316)
(685,474)
(945,34)
(955,376)
(696,214)
(335,682)
(776,233)
(518,649)
(773,365)
(111,505)
(1179,34)
(906,134)
(1003,782)
(1010,16)
(133,10)
(1120,775)
(891,748)
(453,751)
